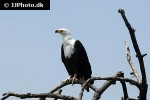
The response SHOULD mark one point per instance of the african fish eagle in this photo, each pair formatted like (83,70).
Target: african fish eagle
(74,57)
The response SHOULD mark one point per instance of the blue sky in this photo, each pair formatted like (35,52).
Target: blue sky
(30,50)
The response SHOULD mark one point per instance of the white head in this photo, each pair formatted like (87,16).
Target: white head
(64,32)
(66,35)
(68,41)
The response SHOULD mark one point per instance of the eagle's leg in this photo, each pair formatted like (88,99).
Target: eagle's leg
(68,79)
(74,78)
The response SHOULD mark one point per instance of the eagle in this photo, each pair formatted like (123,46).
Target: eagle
(74,57)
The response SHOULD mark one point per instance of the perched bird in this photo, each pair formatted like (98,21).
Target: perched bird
(74,57)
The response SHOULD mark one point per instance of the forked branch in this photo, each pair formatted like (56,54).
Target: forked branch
(144,85)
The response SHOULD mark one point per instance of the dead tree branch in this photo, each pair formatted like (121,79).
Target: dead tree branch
(42,95)
(130,63)
(125,92)
(144,85)
(70,82)
(52,93)
(100,91)
(58,92)
(118,78)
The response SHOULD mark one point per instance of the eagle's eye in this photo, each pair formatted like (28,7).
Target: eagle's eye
(61,31)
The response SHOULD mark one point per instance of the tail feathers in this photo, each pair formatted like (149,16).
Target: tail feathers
(87,87)
(90,83)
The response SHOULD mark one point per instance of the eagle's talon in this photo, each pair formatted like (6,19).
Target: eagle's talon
(67,80)
(74,79)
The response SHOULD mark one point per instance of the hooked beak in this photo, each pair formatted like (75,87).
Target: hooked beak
(58,31)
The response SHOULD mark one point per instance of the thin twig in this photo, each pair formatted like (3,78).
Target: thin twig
(130,63)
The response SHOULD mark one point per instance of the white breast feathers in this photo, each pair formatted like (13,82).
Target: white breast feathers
(68,47)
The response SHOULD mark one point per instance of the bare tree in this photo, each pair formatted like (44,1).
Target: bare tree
(140,82)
